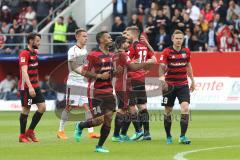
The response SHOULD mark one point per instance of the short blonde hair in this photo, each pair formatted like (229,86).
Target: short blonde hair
(80,30)
(178,32)
(133,29)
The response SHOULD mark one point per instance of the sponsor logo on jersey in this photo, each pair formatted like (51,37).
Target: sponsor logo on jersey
(23,59)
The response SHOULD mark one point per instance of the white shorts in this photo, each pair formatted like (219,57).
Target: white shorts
(76,94)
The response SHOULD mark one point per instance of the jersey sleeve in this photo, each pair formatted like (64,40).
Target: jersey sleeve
(23,58)
(164,56)
(71,55)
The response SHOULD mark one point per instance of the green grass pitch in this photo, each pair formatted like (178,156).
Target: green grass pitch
(207,129)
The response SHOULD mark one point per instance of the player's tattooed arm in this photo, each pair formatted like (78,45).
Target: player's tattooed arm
(190,75)
(27,80)
(144,39)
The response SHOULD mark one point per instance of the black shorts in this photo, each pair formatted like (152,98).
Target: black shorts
(122,99)
(101,104)
(138,94)
(180,92)
(27,100)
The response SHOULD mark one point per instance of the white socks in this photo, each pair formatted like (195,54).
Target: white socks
(64,119)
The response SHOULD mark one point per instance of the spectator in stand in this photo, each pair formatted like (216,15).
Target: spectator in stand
(6,15)
(59,30)
(211,43)
(13,49)
(177,20)
(5,27)
(221,9)
(207,12)
(143,4)
(135,22)
(119,7)
(216,22)
(2,42)
(118,26)
(199,38)
(16,27)
(188,43)
(26,27)
(21,15)
(30,14)
(6,86)
(143,9)
(232,9)
(166,11)
(226,41)
(71,28)
(193,11)
(46,90)
(151,32)
(154,10)
(34,25)
(203,23)
(162,19)
(188,23)
(163,40)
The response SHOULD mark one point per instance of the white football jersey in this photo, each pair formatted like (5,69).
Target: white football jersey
(79,55)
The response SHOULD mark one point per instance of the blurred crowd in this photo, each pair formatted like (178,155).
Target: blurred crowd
(22,16)
(208,25)
(9,88)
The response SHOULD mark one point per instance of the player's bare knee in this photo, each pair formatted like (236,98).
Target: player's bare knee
(25,110)
(142,107)
(41,107)
(132,109)
(168,110)
(184,108)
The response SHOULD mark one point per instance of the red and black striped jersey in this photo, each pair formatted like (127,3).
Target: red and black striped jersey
(29,58)
(138,53)
(99,63)
(121,59)
(176,62)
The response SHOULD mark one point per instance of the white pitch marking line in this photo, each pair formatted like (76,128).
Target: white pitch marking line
(180,156)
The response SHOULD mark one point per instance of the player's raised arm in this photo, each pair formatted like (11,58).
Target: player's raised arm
(152,58)
(144,40)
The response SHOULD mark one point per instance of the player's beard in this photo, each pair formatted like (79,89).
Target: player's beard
(34,46)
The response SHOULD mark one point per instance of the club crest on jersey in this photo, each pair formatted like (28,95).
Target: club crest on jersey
(23,59)
(184,55)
